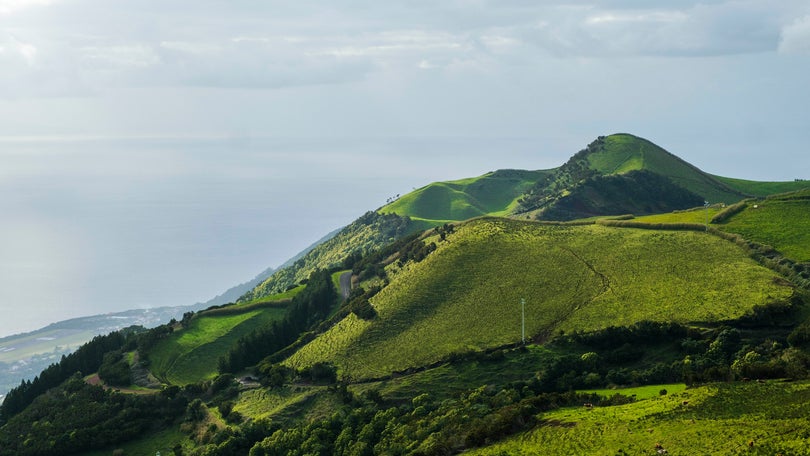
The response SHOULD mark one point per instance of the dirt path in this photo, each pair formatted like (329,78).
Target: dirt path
(346,284)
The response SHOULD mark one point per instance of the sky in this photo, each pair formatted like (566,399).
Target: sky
(156,153)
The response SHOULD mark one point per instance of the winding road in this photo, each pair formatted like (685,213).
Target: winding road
(346,284)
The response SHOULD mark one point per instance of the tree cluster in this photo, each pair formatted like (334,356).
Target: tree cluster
(88,358)
(308,308)
(78,417)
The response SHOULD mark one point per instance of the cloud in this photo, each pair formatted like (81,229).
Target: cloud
(11,6)
(664,29)
(279,44)
(14,51)
(795,37)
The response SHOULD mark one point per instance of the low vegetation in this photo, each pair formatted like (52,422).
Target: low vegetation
(736,418)
(494,193)
(191,353)
(466,295)
(368,233)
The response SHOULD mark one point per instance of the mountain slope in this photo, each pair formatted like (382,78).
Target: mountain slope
(494,193)
(621,153)
(366,234)
(465,296)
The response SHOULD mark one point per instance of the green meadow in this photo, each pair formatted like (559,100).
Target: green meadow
(756,188)
(782,222)
(466,296)
(494,194)
(737,418)
(191,354)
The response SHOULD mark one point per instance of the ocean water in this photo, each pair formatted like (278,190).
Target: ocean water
(96,225)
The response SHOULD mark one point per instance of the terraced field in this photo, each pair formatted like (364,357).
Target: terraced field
(466,295)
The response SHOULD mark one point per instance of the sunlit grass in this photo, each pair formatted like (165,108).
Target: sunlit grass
(466,295)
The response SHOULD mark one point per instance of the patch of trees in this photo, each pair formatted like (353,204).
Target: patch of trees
(730,211)
(308,308)
(77,417)
(636,192)
(115,370)
(550,188)
(361,237)
(422,426)
(87,359)
(652,226)
(373,264)
(359,304)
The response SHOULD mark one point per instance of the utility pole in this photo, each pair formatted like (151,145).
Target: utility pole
(523,320)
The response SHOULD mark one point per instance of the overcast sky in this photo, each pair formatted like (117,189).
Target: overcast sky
(156,153)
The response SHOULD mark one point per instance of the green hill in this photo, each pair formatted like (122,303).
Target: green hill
(465,296)
(614,175)
(494,193)
(621,153)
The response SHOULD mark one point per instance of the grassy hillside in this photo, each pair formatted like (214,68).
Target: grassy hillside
(466,295)
(756,188)
(190,354)
(742,418)
(494,193)
(366,234)
(782,222)
(622,153)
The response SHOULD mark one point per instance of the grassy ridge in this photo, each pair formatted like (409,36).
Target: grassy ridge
(718,419)
(494,193)
(466,295)
(756,188)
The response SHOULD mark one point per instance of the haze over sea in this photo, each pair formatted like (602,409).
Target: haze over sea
(98,225)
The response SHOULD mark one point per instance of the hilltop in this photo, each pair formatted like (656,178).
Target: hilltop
(614,175)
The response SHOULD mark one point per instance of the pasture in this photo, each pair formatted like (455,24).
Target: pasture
(466,296)
(729,418)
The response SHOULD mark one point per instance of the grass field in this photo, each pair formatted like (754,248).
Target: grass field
(782,222)
(265,403)
(641,392)
(162,441)
(191,354)
(697,215)
(494,193)
(737,418)
(466,295)
(449,380)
